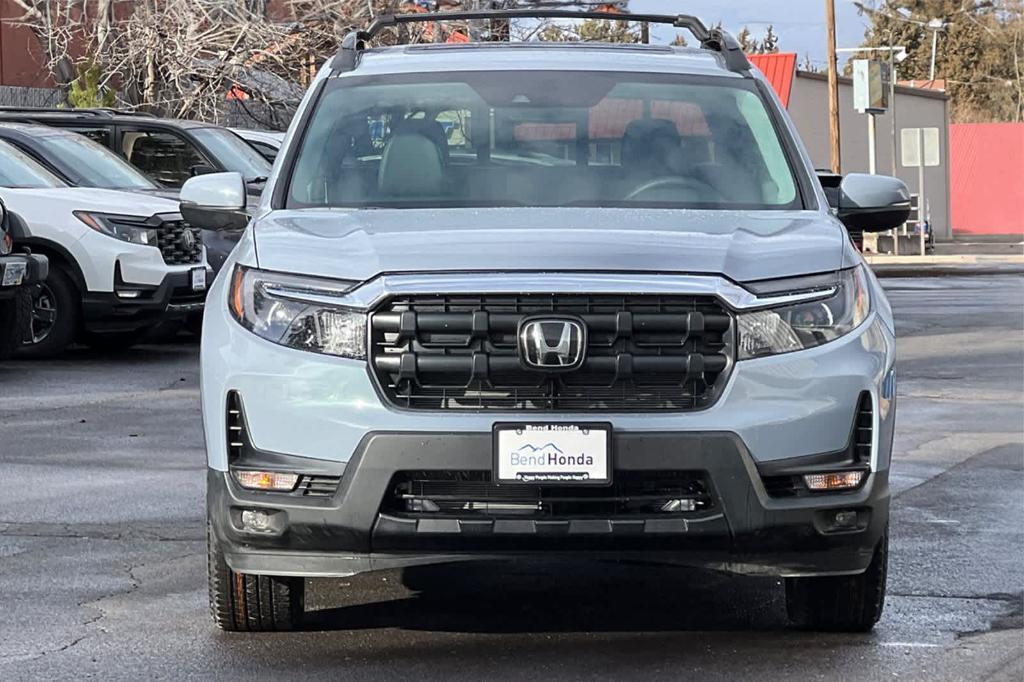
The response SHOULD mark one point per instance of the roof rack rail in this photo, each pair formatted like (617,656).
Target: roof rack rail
(714,39)
(94,111)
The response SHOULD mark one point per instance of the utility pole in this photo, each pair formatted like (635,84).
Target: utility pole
(833,87)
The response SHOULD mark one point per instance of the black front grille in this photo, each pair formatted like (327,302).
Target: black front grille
(472,494)
(643,353)
(180,243)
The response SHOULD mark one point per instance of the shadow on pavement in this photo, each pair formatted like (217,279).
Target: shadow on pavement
(531,598)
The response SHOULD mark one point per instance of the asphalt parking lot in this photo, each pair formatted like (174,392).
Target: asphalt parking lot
(102,551)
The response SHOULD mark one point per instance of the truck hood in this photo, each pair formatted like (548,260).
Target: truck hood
(50,204)
(361,244)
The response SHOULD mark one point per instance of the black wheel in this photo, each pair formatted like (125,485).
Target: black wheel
(251,603)
(15,321)
(56,309)
(850,603)
(112,341)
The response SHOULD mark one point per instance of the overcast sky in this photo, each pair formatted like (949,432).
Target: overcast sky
(800,24)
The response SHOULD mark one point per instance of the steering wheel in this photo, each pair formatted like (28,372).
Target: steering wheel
(702,189)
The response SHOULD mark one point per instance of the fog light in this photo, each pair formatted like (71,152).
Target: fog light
(266,480)
(129,293)
(840,480)
(256,520)
(845,519)
(682,505)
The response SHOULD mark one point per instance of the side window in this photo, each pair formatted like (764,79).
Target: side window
(165,157)
(266,151)
(98,135)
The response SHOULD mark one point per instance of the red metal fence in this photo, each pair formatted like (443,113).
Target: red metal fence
(986,173)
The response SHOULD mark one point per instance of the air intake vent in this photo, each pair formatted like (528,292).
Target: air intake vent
(319,486)
(863,429)
(236,427)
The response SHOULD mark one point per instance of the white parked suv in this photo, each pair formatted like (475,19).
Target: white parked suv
(120,263)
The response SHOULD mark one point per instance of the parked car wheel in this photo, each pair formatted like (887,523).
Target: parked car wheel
(15,318)
(56,309)
(251,603)
(851,603)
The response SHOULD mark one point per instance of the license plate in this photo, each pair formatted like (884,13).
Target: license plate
(555,454)
(198,279)
(14,273)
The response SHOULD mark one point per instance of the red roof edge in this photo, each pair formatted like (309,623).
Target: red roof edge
(780,69)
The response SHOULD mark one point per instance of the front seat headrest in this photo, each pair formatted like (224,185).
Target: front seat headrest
(412,166)
(648,140)
(426,127)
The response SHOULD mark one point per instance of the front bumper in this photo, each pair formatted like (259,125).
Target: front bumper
(35,269)
(354,530)
(171,299)
(326,411)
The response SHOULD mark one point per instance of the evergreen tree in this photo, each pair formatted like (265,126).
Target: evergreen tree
(87,91)
(980,53)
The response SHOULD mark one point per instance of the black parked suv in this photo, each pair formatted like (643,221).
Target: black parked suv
(169,151)
(17,272)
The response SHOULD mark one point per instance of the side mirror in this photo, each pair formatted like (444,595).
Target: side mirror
(872,203)
(215,201)
(201,169)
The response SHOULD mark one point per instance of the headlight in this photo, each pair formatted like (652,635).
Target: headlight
(806,325)
(297,312)
(132,229)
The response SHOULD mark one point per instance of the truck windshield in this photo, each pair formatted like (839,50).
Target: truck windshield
(537,138)
(89,164)
(19,170)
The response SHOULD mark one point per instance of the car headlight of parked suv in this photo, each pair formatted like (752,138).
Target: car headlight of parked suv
(132,229)
(297,312)
(808,324)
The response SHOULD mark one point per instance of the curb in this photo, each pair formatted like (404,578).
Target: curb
(883,270)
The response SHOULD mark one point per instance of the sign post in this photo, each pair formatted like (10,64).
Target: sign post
(871,97)
(920,149)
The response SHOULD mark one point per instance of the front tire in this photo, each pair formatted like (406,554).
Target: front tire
(56,310)
(15,321)
(251,603)
(849,603)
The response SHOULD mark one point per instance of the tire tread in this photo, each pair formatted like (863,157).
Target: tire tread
(251,603)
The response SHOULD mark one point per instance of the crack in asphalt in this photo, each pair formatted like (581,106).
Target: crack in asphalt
(135,583)
(121,532)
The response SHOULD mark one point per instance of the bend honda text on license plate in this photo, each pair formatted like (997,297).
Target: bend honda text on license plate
(559,454)
(198,279)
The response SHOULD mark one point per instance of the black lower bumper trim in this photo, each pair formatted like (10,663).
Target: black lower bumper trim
(172,299)
(748,531)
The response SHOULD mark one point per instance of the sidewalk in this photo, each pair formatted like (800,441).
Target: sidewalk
(963,265)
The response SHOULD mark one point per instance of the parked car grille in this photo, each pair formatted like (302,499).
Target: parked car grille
(472,494)
(643,353)
(180,243)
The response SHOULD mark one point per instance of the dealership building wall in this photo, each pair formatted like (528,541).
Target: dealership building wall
(915,108)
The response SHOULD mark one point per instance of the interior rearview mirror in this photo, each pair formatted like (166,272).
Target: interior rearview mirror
(215,201)
(869,203)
